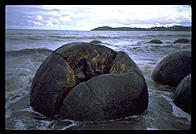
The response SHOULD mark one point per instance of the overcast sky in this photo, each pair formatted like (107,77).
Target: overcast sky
(87,17)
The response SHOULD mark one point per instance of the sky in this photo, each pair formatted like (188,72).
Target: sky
(87,17)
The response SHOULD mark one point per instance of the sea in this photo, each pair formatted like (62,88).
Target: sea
(25,50)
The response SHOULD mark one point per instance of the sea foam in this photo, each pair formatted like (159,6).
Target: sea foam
(177,111)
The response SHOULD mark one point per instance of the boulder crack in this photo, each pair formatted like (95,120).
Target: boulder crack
(61,56)
(91,90)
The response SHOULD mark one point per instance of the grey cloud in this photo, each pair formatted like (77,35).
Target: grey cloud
(21,16)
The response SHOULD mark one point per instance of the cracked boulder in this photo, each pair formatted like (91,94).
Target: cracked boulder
(88,82)
(173,68)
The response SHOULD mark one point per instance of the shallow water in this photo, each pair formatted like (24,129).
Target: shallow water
(27,49)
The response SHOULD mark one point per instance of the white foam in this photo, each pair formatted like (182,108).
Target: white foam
(19,125)
(29,62)
(31,110)
(132,117)
(12,99)
(44,124)
(28,109)
(8,113)
(111,46)
(149,128)
(163,93)
(177,111)
(15,95)
(71,125)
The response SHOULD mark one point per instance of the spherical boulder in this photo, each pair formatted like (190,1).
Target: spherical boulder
(173,68)
(156,41)
(183,96)
(182,40)
(85,81)
(95,42)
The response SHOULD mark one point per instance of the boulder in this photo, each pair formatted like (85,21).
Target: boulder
(173,68)
(95,42)
(182,40)
(183,96)
(107,96)
(155,41)
(84,81)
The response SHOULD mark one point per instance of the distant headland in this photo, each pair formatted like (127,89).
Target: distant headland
(172,28)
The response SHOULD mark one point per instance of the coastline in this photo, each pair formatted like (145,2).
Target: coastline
(172,28)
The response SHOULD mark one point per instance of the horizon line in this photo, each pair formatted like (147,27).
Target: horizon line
(91,29)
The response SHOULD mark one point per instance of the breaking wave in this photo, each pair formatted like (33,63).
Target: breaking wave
(27,51)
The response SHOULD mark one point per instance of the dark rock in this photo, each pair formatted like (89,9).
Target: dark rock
(108,96)
(182,40)
(95,42)
(155,41)
(173,68)
(183,94)
(85,81)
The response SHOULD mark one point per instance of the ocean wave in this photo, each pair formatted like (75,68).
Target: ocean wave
(20,125)
(168,35)
(35,37)
(141,36)
(83,37)
(62,37)
(28,51)
(24,37)
(132,35)
(87,37)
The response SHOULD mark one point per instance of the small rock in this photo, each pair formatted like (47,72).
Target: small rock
(155,41)
(182,40)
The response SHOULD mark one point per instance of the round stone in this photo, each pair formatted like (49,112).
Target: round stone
(182,40)
(85,81)
(183,97)
(173,68)
(156,41)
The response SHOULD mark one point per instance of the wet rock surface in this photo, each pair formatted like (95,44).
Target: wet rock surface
(108,96)
(182,40)
(84,81)
(183,96)
(95,41)
(156,41)
(173,68)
